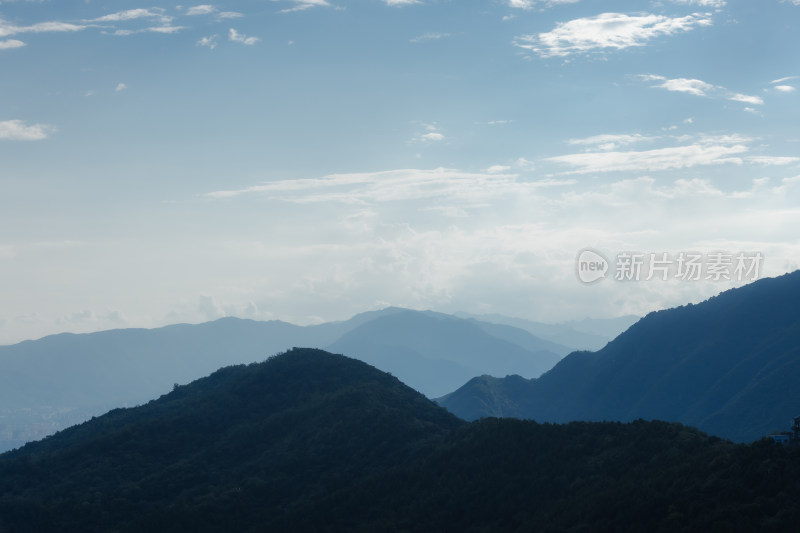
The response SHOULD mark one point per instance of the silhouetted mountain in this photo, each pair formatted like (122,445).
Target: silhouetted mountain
(310,441)
(435,353)
(60,380)
(729,366)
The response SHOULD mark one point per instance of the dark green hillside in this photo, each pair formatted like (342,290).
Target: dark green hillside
(512,475)
(308,441)
(247,442)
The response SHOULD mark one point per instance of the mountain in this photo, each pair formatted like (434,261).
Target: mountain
(310,441)
(60,380)
(435,353)
(729,366)
(567,334)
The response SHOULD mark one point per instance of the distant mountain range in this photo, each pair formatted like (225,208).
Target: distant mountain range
(730,366)
(587,334)
(309,441)
(51,383)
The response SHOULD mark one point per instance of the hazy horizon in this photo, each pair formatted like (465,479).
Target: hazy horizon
(308,160)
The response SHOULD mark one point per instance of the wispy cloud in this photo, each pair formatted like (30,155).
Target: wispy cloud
(18,130)
(683,85)
(237,37)
(432,134)
(607,31)
(209,42)
(702,3)
(430,36)
(394,185)
(747,99)
(699,88)
(302,5)
(11,43)
(134,14)
(204,9)
(7,29)
(530,4)
(781,86)
(702,150)
(611,141)
(121,87)
(155,29)
(401,3)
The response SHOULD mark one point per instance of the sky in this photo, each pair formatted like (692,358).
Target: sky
(307,160)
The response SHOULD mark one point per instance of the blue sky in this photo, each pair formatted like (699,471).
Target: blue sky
(310,159)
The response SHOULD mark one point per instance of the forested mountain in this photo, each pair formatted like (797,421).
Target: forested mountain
(729,366)
(60,380)
(310,441)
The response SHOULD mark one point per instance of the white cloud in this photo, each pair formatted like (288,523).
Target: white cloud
(7,29)
(204,9)
(229,15)
(684,85)
(699,88)
(781,80)
(607,31)
(445,238)
(395,186)
(652,160)
(209,308)
(165,29)
(702,150)
(431,36)
(400,3)
(121,87)
(611,141)
(702,3)
(530,4)
(237,37)
(496,169)
(134,14)
(17,130)
(785,88)
(431,136)
(744,98)
(772,160)
(168,30)
(210,41)
(11,43)
(302,5)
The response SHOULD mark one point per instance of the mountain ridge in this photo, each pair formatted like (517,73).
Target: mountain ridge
(704,365)
(308,441)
